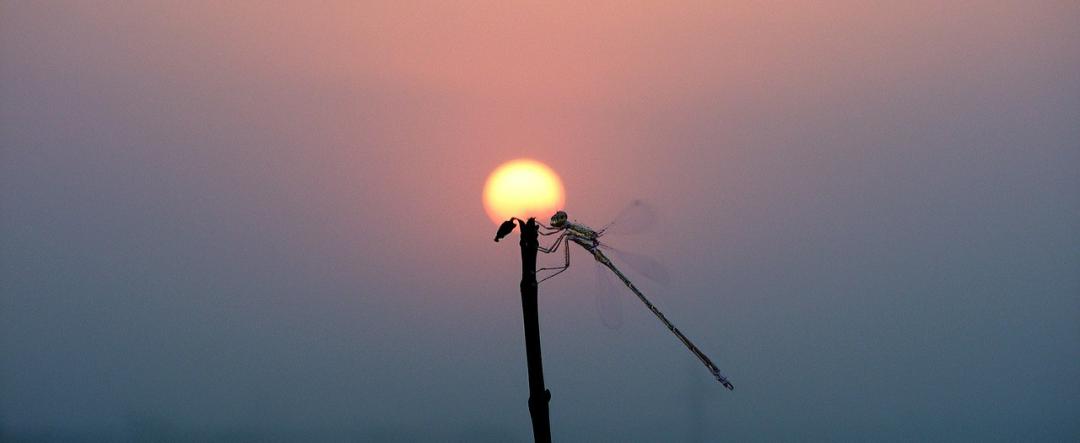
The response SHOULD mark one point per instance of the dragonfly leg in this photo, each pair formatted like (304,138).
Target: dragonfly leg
(566,264)
(550,229)
(554,246)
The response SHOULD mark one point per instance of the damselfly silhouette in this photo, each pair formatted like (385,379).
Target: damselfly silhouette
(589,239)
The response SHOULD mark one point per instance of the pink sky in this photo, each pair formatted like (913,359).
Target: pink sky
(259,214)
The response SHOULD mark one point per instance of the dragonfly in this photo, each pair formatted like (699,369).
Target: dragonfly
(589,239)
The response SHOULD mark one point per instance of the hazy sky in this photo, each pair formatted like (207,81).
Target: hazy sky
(232,220)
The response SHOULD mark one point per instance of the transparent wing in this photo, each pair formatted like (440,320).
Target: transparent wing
(608,298)
(610,291)
(641,264)
(635,218)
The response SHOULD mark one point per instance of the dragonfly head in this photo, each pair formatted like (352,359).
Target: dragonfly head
(559,219)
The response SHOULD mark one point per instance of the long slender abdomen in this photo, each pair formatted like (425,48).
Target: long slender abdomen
(603,259)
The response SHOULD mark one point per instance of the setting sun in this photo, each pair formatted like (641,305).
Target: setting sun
(522,188)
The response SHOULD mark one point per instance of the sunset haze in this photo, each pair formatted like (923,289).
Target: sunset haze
(226,221)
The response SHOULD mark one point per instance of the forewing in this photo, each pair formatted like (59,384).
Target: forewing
(637,217)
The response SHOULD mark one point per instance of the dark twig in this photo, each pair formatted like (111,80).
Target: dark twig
(538,394)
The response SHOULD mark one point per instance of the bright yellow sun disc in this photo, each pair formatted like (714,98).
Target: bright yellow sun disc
(523,188)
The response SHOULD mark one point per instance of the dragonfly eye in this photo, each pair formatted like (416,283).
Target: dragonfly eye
(558,219)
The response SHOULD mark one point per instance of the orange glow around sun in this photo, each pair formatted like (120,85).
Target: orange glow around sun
(523,188)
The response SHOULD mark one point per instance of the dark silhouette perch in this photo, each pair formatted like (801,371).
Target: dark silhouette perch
(538,395)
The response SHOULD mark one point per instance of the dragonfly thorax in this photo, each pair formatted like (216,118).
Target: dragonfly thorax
(576,232)
(559,221)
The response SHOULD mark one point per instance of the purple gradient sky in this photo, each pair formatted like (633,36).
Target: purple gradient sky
(265,220)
